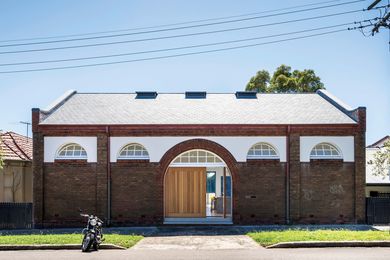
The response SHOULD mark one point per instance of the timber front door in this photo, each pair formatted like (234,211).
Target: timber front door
(185,192)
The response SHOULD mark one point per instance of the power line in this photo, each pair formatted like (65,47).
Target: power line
(175,48)
(172,56)
(177,28)
(171,24)
(182,35)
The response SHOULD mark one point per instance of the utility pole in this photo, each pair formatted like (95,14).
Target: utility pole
(383,21)
(27,125)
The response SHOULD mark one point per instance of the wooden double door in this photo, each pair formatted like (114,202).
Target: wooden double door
(185,192)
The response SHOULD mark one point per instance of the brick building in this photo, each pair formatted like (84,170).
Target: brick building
(199,158)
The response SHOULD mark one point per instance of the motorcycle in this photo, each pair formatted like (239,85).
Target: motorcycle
(93,233)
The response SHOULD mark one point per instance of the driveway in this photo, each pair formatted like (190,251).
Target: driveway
(197,242)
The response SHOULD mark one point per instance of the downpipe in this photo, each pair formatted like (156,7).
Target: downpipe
(108,177)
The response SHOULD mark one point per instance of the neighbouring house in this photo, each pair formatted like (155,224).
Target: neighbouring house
(149,158)
(376,186)
(16,173)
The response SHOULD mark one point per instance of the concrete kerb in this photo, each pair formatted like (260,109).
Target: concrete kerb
(53,247)
(316,244)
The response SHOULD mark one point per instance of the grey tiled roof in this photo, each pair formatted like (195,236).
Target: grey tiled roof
(111,108)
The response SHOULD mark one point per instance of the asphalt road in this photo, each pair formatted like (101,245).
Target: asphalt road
(247,254)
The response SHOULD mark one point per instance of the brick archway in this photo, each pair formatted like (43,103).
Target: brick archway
(203,144)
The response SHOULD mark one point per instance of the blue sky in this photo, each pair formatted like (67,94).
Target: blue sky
(353,67)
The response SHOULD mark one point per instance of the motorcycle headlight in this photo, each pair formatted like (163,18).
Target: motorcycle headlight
(93,222)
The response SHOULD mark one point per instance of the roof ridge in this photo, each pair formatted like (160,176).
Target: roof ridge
(374,145)
(20,149)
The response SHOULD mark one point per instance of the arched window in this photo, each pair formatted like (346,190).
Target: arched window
(72,151)
(197,156)
(133,152)
(325,151)
(262,151)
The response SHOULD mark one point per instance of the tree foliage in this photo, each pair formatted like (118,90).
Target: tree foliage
(381,163)
(284,80)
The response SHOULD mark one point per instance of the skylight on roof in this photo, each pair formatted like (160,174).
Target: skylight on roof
(146,94)
(246,94)
(195,94)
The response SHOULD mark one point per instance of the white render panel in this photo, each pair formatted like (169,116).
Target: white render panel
(53,143)
(157,146)
(344,143)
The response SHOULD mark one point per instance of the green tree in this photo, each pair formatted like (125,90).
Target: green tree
(284,80)
(381,161)
(259,82)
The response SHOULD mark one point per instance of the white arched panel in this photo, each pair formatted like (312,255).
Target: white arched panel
(53,143)
(238,146)
(344,143)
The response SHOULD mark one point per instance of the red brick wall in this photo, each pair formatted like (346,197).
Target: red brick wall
(326,192)
(136,193)
(261,194)
(69,185)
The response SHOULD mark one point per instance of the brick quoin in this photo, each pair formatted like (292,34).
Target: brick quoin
(320,191)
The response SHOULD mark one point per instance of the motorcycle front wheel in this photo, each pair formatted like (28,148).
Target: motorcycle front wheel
(87,242)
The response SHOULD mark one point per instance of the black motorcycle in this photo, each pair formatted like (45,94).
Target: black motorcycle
(93,235)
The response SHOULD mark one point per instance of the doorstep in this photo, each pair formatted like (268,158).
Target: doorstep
(198,221)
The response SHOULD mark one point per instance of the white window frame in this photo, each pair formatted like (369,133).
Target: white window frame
(71,157)
(329,156)
(134,157)
(263,156)
(197,157)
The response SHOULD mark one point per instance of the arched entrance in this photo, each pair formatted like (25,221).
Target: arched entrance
(198,189)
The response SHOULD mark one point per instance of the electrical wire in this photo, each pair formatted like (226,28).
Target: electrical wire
(171,24)
(174,55)
(175,48)
(181,35)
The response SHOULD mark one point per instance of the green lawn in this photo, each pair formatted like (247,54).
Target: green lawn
(266,238)
(62,239)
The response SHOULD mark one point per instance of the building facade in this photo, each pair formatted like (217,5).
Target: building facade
(150,158)
(376,185)
(16,171)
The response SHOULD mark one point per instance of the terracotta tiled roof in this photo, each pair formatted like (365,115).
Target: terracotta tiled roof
(14,146)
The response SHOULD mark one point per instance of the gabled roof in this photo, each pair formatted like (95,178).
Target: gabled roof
(217,108)
(14,146)
(380,143)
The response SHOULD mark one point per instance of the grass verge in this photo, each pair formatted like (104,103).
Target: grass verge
(126,241)
(266,238)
